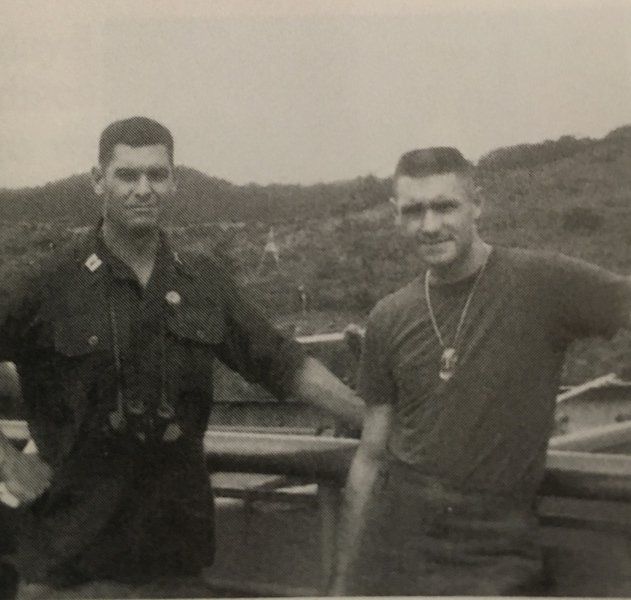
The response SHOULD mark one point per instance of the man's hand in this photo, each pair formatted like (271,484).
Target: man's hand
(25,476)
(337,588)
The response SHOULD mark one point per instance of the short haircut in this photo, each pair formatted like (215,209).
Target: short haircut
(135,132)
(432,161)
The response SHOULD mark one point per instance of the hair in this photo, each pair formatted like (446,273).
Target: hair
(432,161)
(135,132)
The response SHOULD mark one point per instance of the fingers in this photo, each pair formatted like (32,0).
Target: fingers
(19,492)
(6,497)
(27,477)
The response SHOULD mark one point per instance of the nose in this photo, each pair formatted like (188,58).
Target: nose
(431,222)
(143,186)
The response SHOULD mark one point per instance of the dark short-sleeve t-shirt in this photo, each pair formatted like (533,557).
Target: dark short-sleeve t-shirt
(487,428)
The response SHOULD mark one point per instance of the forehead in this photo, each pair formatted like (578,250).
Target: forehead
(139,156)
(416,190)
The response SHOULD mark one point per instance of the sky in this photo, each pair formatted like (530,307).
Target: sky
(303,91)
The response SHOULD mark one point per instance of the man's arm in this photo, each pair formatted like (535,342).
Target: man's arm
(317,385)
(587,300)
(359,485)
(252,347)
(25,476)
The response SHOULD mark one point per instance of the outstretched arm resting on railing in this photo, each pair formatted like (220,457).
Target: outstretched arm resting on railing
(317,385)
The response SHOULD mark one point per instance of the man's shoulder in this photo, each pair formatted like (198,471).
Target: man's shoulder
(37,273)
(541,262)
(206,273)
(516,257)
(198,264)
(396,303)
(50,264)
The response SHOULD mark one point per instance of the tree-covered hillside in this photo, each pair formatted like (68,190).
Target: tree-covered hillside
(200,199)
(339,240)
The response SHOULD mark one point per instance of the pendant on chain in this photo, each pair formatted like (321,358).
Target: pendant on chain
(448,361)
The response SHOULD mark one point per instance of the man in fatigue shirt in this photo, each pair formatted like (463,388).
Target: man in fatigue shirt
(460,371)
(114,340)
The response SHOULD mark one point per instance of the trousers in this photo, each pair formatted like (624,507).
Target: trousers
(423,538)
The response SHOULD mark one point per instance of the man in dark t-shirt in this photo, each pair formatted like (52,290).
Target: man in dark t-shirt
(459,371)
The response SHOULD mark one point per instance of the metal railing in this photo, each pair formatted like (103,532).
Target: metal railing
(325,461)
(576,467)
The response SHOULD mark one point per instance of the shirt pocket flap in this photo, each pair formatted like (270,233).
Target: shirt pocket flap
(204,325)
(79,335)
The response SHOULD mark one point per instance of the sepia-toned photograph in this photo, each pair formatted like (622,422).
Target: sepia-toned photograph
(307,298)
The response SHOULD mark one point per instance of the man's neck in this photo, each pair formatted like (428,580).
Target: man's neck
(138,251)
(470,264)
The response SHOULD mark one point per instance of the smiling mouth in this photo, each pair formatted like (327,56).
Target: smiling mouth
(435,242)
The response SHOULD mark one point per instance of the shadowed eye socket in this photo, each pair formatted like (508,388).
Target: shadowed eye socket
(442,205)
(129,175)
(445,205)
(413,209)
(158,174)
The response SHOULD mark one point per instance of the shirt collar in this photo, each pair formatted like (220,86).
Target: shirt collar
(96,254)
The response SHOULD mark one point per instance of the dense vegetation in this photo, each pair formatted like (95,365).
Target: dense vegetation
(339,240)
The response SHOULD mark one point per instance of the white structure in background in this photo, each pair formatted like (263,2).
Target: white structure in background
(271,250)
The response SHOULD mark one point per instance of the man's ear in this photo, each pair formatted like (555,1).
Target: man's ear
(396,210)
(478,200)
(97,180)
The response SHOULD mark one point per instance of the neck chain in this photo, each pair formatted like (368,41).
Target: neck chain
(156,421)
(449,357)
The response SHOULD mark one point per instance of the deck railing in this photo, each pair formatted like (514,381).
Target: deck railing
(325,461)
(581,466)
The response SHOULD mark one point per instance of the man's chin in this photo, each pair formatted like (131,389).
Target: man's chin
(438,255)
(140,225)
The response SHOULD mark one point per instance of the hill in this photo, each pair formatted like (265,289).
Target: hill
(200,199)
(339,240)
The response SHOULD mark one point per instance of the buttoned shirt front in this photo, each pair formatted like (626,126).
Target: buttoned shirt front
(85,336)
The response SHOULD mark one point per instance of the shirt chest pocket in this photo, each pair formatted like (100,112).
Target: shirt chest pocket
(193,334)
(197,325)
(80,335)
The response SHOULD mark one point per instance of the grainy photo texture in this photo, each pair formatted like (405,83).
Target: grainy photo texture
(315,298)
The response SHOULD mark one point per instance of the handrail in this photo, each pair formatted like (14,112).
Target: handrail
(594,439)
(324,458)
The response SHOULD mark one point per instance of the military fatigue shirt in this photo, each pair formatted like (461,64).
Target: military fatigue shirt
(125,504)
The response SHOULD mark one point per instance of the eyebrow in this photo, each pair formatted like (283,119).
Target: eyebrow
(158,171)
(436,203)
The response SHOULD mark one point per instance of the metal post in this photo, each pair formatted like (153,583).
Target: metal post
(328,503)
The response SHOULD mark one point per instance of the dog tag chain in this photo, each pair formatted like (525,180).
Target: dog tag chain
(449,356)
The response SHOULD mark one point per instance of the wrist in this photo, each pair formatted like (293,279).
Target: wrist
(7,452)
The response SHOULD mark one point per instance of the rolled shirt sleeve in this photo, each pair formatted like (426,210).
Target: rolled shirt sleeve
(19,301)
(375,381)
(252,347)
(590,300)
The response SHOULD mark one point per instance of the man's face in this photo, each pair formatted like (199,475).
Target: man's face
(441,212)
(135,186)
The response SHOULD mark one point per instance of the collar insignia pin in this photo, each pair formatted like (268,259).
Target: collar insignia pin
(173,298)
(93,263)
